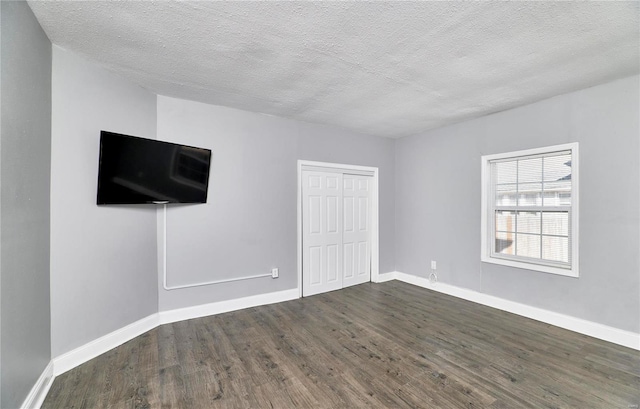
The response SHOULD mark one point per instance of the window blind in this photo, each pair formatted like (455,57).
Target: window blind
(531,208)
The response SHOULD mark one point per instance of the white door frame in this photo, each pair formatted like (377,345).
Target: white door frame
(350,169)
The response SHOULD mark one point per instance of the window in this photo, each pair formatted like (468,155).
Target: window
(530,209)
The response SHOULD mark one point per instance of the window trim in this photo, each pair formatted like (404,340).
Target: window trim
(486,218)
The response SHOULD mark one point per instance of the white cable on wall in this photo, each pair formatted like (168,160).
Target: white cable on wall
(164,264)
(433,278)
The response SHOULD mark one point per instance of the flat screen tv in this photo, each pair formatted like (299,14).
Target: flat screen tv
(135,170)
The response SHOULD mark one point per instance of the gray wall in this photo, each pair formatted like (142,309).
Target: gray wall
(25,160)
(1,206)
(248,225)
(438,202)
(103,259)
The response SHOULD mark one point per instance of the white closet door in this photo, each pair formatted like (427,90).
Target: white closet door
(322,232)
(356,237)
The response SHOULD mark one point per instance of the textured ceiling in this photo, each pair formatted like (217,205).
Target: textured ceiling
(380,68)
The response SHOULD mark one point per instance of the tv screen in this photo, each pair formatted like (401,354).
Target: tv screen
(135,170)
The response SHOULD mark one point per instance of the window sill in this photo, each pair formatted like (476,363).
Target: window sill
(573,272)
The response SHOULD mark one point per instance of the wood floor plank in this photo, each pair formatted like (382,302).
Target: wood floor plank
(390,345)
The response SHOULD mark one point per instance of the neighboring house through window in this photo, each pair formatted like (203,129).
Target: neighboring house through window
(530,209)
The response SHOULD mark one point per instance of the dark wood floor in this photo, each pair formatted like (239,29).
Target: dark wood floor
(390,345)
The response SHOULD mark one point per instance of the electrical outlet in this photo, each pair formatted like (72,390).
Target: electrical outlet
(433,265)
(274,273)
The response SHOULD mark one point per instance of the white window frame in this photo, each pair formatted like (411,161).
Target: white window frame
(487,217)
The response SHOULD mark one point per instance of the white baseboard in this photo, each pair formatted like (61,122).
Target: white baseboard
(167,317)
(592,329)
(40,389)
(386,277)
(80,355)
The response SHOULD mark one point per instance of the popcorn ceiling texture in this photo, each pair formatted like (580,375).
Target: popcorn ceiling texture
(380,68)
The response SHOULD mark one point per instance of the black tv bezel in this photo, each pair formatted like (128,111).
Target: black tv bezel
(104,133)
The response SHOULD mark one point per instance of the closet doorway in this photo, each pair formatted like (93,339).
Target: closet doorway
(337,226)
